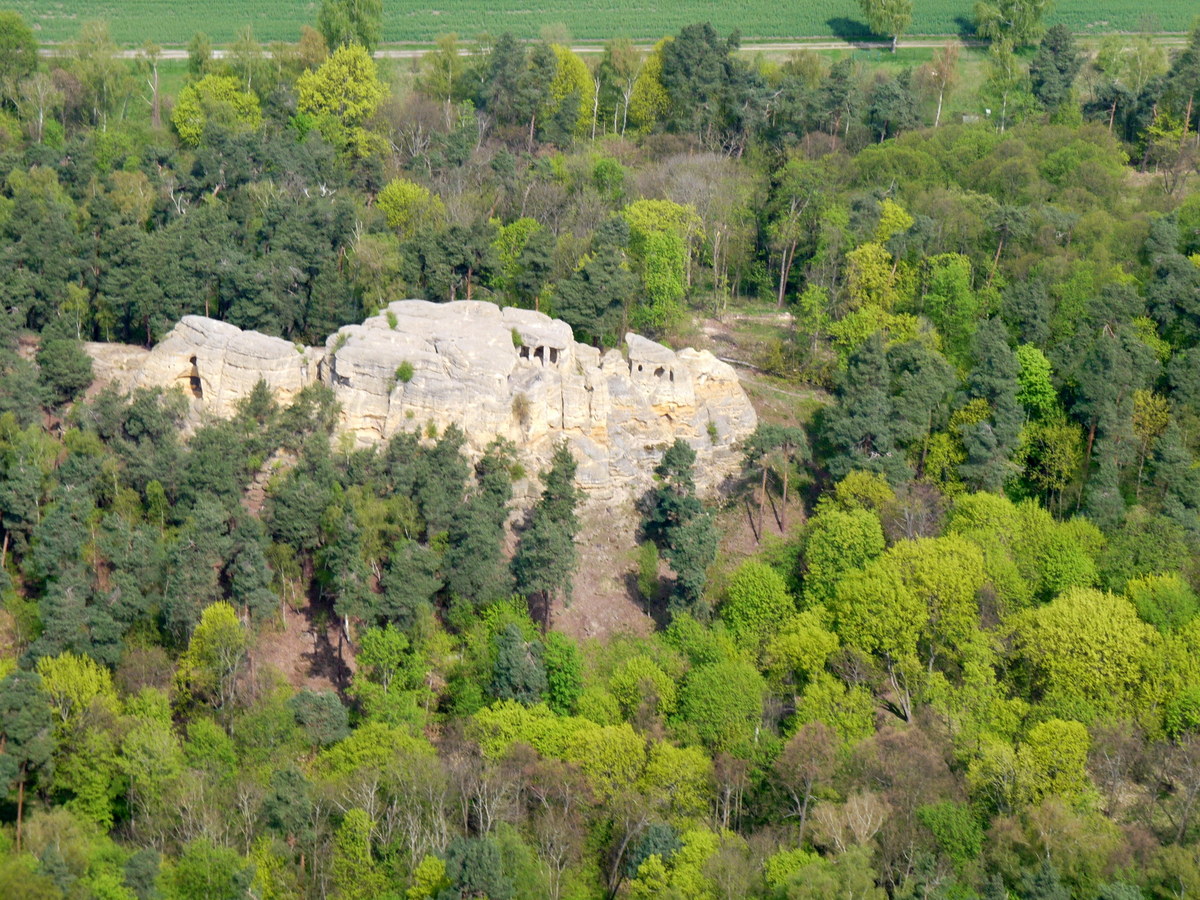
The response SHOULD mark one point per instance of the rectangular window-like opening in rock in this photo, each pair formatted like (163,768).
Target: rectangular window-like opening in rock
(659,372)
(524,353)
(672,376)
(540,354)
(553,357)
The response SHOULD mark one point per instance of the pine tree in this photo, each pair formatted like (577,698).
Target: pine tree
(991,441)
(26,734)
(519,673)
(682,528)
(860,427)
(546,557)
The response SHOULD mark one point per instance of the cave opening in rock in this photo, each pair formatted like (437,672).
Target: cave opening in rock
(194,380)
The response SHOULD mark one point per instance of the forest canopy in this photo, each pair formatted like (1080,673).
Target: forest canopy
(940,641)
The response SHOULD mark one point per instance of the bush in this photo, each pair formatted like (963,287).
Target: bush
(404,372)
(65,370)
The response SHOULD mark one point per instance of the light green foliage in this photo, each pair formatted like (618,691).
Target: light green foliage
(1018,22)
(849,711)
(838,542)
(756,604)
(723,702)
(74,684)
(1036,392)
(499,726)
(573,79)
(780,866)
(428,879)
(390,676)
(678,780)
(372,747)
(894,219)
(344,22)
(509,244)
(945,574)
(216,99)
(649,101)
(355,872)
(611,756)
(877,612)
(410,207)
(343,94)
(799,648)
(848,874)
(1087,650)
(639,683)
(1052,761)
(861,490)
(683,875)
(208,669)
(647,217)
(661,233)
(888,17)
(208,872)
(872,277)
(564,672)
(950,303)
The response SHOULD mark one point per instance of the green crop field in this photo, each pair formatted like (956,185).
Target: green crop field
(134,21)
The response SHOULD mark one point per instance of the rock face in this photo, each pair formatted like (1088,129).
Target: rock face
(508,373)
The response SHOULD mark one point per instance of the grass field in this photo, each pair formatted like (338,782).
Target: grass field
(170,22)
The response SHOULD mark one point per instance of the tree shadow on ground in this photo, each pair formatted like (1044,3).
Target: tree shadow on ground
(849,30)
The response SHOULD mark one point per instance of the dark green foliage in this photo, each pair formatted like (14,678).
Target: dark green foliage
(141,874)
(860,428)
(25,731)
(122,518)
(474,868)
(1043,884)
(64,369)
(595,300)
(546,557)
(519,673)
(439,480)
(410,583)
(990,442)
(321,715)
(1054,68)
(682,528)
(658,840)
(476,570)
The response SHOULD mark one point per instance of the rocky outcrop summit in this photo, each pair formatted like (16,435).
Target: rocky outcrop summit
(508,373)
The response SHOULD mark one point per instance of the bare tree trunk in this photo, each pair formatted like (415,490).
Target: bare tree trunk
(937,118)
(783,510)
(20,805)
(762,503)
(595,106)
(785,271)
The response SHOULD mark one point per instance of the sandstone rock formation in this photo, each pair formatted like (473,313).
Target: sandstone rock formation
(508,373)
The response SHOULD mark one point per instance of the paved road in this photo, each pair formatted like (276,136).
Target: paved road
(757,47)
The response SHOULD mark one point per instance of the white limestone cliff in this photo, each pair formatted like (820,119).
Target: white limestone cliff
(508,373)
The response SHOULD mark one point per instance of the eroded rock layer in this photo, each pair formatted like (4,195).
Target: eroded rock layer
(494,372)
